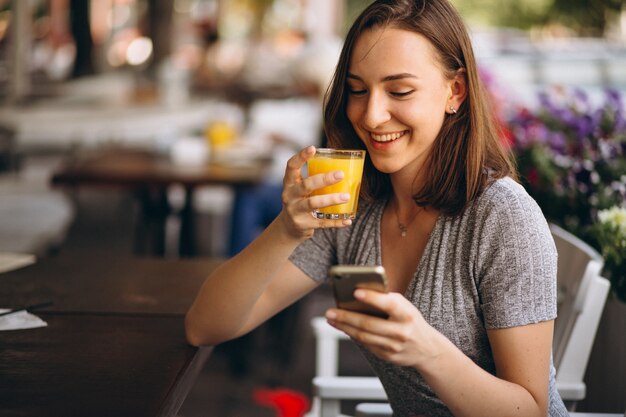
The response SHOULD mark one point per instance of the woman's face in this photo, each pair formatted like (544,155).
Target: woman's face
(397,97)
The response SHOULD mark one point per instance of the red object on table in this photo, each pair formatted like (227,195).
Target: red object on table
(287,402)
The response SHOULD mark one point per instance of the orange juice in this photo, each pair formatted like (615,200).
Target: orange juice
(351,163)
(220,133)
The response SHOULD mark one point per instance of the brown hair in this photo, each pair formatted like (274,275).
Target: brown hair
(468,151)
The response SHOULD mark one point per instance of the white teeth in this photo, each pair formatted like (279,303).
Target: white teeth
(386,137)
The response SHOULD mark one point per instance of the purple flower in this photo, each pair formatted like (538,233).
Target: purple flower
(584,125)
(557,142)
(572,153)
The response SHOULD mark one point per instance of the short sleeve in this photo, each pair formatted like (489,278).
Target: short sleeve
(516,265)
(354,245)
(314,256)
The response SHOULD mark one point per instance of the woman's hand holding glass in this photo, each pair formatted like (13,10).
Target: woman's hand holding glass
(298,203)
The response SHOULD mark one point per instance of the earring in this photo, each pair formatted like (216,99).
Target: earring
(452,109)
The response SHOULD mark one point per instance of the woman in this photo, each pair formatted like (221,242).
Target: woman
(470,261)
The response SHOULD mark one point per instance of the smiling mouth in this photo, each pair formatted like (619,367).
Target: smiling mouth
(386,137)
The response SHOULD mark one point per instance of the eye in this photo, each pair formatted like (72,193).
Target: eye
(356,92)
(401,93)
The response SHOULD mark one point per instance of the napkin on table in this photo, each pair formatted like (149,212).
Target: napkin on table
(20,320)
(11,260)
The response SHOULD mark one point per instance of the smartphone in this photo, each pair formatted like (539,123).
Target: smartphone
(347,278)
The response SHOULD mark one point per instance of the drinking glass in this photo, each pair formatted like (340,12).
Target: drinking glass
(349,161)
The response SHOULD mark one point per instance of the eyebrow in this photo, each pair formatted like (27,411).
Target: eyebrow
(392,77)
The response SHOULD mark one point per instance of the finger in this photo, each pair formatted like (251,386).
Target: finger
(311,221)
(295,164)
(386,354)
(392,329)
(304,209)
(370,339)
(391,303)
(328,223)
(358,321)
(299,188)
(326,200)
(315,182)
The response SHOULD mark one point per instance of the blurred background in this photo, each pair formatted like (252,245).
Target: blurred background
(240,83)
(218,43)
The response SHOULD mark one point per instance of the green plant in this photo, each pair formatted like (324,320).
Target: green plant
(610,230)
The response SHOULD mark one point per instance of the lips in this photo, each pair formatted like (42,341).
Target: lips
(386,137)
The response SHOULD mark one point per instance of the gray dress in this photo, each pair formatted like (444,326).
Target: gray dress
(492,267)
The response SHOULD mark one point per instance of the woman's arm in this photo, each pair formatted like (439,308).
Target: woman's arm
(521,355)
(520,387)
(260,281)
(246,290)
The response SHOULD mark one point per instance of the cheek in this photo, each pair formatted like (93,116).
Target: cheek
(352,111)
(413,115)
(427,113)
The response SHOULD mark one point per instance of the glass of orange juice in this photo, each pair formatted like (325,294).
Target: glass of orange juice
(351,163)
(220,133)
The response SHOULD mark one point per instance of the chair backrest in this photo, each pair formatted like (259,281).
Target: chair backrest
(326,362)
(326,347)
(582,294)
(578,264)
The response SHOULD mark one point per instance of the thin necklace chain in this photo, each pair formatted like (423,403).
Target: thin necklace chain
(404,227)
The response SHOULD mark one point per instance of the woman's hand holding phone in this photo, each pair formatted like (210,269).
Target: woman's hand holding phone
(403,337)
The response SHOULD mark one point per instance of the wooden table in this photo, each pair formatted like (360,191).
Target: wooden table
(148,175)
(114,344)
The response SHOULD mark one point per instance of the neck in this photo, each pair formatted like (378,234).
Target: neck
(406,208)
(404,221)
(404,184)
(402,199)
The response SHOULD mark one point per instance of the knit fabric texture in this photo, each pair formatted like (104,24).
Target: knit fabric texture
(492,267)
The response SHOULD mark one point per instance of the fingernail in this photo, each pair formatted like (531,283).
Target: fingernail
(338,175)
(347,222)
(331,315)
(345,196)
(359,294)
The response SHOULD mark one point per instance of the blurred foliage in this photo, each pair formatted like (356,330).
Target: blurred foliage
(509,13)
(584,17)
(571,156)
(353,8)
(611,233)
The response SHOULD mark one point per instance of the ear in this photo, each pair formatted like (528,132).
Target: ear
(458,91)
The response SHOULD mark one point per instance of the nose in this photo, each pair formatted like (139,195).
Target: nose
(376,111)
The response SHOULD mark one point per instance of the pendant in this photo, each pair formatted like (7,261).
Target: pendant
(403,229)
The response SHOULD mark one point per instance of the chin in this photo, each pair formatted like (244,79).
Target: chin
(386,166)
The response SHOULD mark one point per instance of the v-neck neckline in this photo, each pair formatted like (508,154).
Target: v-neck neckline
(425,253)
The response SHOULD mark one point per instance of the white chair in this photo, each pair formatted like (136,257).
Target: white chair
(330,389)
(582,294)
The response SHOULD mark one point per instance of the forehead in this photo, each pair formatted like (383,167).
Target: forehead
(398,50)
